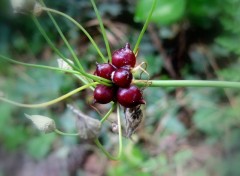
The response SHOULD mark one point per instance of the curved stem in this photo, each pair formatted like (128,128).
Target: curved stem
(187,83)
(103,30)
(108,113)
(80,27)
(65,134)
(145,27)
(40,105)
(120,141)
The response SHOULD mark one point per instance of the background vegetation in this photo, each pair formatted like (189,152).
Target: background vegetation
(186,131)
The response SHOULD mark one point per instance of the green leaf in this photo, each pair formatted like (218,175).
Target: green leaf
(165,13)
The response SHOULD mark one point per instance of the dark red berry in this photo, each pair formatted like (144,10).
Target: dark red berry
(104,94)
(123,56)
(104,70)
(122,77)
(130,97)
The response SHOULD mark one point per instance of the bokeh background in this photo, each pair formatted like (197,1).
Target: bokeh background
(185,132)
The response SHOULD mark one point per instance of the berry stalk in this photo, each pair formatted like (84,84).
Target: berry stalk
(102,30)
(145,26)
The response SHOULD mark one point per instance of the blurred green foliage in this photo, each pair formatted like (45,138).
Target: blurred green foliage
(207,117)
(166,11)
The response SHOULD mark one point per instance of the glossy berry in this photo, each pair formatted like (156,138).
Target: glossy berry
(130,97)
(104,70)
(103,94)
(123,57)
(122,77)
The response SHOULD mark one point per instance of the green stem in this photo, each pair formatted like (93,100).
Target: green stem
(119,133)
(80,27)
(44,34)
(103,30)
(65,134)
(39,66)
(64,38)
(120,141)
(187,83)
(108,113)
(145,27)
(40,105)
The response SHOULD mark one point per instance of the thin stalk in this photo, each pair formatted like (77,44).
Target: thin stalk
(103,30)
(65,134)
(97,142)
(187,83)
(100,146)
(145,26)
(80,27)
(108,113)
(44,34)
(119,133)
(64,39)
(39,66)
(40,105)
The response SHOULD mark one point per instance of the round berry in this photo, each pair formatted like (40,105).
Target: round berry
(123,56)
(104,70)
(122,77)
(130,97)
(103,94)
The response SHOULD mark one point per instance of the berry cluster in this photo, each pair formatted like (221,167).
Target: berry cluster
(119,72)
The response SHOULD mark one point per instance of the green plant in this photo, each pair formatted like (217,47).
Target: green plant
(91,81)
